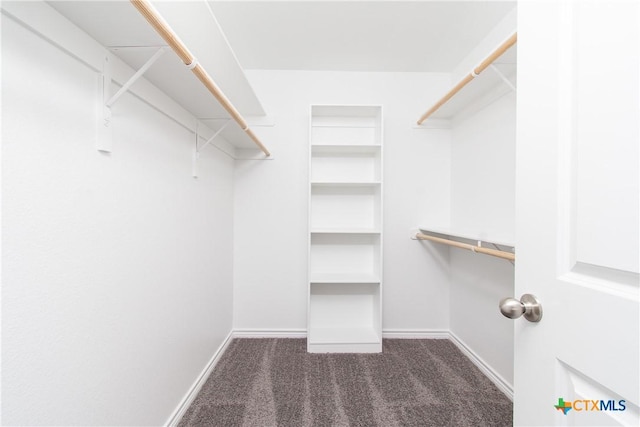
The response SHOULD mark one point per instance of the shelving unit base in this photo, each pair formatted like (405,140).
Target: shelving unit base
(344,340)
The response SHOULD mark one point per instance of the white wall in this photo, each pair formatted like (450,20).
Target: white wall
(117,278)
(483,199)
(483,170)
(270,269)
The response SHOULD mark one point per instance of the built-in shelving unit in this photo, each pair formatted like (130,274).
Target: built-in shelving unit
(493,78)
(345,229)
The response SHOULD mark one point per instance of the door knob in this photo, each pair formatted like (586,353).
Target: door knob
(528,305)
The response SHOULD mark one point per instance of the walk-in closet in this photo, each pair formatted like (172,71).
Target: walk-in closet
(320,213)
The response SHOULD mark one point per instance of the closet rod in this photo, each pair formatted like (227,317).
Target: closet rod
(162,28)
(476,71)
(480,249)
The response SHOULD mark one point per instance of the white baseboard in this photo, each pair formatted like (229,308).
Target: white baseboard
(302,333)
(193,391)
(269,333)
(487,370)
(415,334)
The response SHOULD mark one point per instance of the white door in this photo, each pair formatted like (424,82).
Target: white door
(577,198)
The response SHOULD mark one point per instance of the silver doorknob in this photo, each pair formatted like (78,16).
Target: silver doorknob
(528,305)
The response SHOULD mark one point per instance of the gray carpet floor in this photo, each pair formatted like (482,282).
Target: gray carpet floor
(275,382)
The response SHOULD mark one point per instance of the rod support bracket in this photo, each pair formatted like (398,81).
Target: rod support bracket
(134,78)
(197,150)
(103,125)
(504,78)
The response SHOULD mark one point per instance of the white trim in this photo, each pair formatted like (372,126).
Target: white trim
(415,334)
(269,333)
(502,384)
(302,333)
(193,391)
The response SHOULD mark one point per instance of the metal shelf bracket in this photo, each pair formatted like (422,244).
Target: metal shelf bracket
(503,77)
(197,150)
(104,131)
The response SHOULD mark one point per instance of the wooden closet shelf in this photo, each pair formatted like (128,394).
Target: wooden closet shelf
(158,23)
(493,56)
(469,236)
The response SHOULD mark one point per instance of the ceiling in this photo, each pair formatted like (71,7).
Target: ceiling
(429,36)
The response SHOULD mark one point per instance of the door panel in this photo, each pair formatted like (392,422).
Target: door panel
(574,386)
(602,344)
(605,132)
(577,215)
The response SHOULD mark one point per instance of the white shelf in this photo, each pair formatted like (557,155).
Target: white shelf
(484,89)
(198,29)
(346,278)
(343,184)
(339,112)
(343,125)
(344,149)
(345,230)
(470,235)
(345,146)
